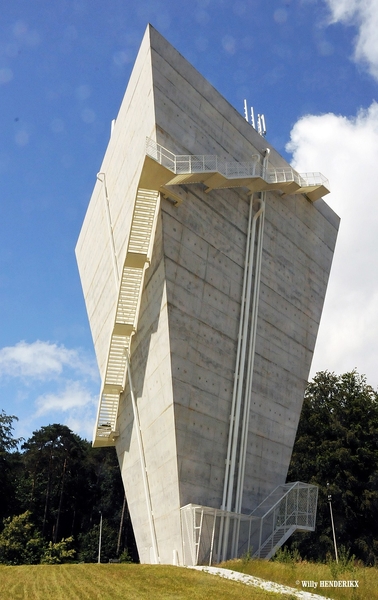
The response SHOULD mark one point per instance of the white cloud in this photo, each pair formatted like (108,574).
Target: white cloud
(364,15)
(75,406)
(74,396)
(49,383)
(346,151)
(42,360)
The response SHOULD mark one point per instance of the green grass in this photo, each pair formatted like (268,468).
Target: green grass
(150,582)
(116,582)
(292,572)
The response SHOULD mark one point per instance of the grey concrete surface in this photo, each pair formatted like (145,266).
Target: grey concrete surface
(184,352)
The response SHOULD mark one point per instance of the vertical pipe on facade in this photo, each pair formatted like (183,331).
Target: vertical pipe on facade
(260,215)
(242,364)
(251,360)
(252,345)
(236,376)
(110,227)
(240,367)
(235,388)
(240,383)
(258,223)
(143,465)
(251,284)
(232,430)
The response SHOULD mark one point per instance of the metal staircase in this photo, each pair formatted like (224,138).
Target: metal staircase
(275,541)
(290,507)
(126,315)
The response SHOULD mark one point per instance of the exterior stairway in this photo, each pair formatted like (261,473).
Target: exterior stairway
(290,507)
(275,541)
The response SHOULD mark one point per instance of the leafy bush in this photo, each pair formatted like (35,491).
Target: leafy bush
(287,556)
(20,542)
(58,553)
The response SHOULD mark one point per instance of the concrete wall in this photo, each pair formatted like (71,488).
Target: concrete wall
(122,166)
(204,244)
(184,352)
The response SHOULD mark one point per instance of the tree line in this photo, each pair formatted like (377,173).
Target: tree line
(54,488)
(336,448)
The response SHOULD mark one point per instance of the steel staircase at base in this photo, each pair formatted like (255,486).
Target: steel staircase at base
(290,507)
(275,541)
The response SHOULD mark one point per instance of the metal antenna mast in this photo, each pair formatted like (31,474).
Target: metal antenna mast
(261,126)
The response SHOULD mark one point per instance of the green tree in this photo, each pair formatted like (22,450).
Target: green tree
(337,443)
(9,465)
(55,480)
(20,542)
(89,543)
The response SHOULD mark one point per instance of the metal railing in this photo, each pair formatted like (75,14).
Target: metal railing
(295,509)
(209,163)
(202,528)
(290,507)
(126,314)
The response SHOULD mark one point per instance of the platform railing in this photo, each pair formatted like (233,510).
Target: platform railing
(211,163)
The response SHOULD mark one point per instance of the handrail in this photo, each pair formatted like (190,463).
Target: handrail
(211,163)
(202,526)
(126,314)
(295,512)
(292,485)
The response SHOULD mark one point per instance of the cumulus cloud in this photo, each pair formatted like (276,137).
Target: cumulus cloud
(346,151)
(42,360)
(49,383)
(74,396)
(363,14)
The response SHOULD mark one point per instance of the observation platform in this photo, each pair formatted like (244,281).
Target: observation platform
(216,173)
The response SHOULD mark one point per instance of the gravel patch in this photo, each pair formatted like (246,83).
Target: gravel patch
(269,586)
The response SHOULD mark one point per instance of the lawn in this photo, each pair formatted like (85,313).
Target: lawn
(119,582)
(294,573)
(158,582)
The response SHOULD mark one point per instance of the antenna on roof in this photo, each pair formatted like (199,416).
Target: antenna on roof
(245,110)
(261,127)
(252,118)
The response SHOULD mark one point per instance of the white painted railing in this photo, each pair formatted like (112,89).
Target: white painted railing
(290,507)
(295,509)
(126,315)
(209,163)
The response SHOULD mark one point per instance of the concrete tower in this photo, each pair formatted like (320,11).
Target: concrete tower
(204,260)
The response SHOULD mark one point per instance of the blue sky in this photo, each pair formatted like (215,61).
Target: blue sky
(311,66)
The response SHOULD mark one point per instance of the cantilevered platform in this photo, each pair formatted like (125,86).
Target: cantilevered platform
(216,173)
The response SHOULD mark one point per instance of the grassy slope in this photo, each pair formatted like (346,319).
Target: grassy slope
(146,582)
(116,582)
(289,573)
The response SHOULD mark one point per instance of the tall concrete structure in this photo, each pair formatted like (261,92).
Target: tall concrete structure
(204,260)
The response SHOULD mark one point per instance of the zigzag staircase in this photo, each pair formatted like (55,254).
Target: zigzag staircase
(126,315)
